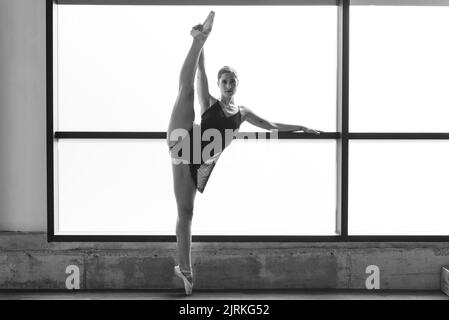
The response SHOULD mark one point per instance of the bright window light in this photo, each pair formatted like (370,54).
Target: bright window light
(118,66)
(125,187)
(399,69)
(398,187)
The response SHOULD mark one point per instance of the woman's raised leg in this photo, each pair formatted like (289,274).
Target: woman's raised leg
(183,113)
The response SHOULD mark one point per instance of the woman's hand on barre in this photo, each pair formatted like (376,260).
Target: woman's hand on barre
(309,130)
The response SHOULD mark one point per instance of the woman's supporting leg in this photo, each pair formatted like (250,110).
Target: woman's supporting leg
(185,192)
(182,117)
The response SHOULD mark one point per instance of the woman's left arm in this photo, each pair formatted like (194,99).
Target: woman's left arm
(251,117)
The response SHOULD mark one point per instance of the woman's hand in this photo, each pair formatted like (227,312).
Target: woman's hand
(198,27)
(308,130)
(197,32)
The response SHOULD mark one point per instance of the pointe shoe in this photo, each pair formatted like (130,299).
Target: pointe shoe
(202,31)
(188,286)
(208,23)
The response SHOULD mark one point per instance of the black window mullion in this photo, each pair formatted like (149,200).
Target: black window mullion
(343,118)
(49,119)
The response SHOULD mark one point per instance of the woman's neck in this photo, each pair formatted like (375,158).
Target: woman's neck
(227,101)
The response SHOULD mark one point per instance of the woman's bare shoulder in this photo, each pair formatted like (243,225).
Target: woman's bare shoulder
(244,110)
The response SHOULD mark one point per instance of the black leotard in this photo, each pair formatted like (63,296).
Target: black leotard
(213,117)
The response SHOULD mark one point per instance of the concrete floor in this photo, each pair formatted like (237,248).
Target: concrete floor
(223,295)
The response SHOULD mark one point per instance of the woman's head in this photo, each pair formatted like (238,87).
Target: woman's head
(227,81)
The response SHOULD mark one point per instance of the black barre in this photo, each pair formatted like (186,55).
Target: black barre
(163,135)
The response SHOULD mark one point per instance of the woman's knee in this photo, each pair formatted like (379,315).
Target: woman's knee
(175,136)
(185,212)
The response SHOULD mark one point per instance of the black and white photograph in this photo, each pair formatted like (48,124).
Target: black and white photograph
(219,157)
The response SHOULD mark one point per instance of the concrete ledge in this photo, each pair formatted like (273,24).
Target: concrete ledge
(28,261)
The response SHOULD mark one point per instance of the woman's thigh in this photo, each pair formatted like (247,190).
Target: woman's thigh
(184,188)
(183,114)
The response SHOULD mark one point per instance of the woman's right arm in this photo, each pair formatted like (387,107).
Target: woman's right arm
(251,117)
(205,99)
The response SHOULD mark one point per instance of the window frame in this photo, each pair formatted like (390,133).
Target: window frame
(342,136)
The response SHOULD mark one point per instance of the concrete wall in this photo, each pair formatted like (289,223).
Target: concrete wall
(27,261)
(22,115)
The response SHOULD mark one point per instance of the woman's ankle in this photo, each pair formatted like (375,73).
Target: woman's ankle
(189,276)
(199,40)
(185,269)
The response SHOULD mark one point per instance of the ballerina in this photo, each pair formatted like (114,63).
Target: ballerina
(192,166)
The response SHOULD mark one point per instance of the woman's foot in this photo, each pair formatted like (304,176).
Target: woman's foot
(202,31)
(187,278)
(208,23)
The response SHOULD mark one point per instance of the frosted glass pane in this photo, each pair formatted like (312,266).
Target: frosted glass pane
(118,66)
(277,187)
(398,187)
(115,187)
(399,69)
(267,188)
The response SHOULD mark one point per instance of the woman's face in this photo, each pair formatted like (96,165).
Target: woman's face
(228,84)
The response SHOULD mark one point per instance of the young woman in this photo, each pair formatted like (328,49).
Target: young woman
(192,168)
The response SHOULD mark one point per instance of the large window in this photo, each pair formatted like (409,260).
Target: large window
(113,78)
(399,75)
